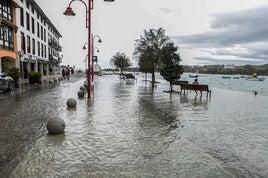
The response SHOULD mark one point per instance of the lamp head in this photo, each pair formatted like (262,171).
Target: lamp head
(84,48)
(69,12)
(99,41)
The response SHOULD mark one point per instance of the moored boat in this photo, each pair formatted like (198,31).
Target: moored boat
(226,77)
(193,76)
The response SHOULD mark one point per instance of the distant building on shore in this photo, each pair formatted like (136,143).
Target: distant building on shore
(229,66)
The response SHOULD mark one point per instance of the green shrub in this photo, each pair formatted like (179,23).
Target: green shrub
(34,77)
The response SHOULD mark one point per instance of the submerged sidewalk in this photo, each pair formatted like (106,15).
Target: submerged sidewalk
(129,130)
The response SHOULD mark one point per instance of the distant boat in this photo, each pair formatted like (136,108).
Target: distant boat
(226,77)
(193,76)
(236,77)
(255,78)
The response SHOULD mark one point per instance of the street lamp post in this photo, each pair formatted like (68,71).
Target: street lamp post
(69,12)
(93,59)
(21,53)
(100,41)
(92,51)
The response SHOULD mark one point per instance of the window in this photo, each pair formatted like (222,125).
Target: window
(7,38)
(45,51)
(27,5)
(6,10)
(42,50)
(38,30)
(33,46)
(27,21)
(21,17)
(22,43)
(45,36)
(33,25)
(32,8)
(28,44)
(41,32)
(38,48)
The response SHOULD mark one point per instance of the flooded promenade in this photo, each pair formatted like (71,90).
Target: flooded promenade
(128,130)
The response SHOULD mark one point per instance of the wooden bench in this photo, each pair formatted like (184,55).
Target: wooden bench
(196,87)
(128,76)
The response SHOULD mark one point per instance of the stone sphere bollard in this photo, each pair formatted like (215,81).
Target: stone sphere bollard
(85,84)
(83,88)
(55,125)
(71,103)
(81,93)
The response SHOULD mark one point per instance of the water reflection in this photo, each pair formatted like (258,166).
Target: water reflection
(196,101)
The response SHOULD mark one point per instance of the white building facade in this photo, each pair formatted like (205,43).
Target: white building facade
(38,40)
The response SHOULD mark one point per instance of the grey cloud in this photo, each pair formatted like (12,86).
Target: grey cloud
(233,28)
(244,28)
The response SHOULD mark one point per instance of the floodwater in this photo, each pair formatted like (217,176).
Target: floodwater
(128,130)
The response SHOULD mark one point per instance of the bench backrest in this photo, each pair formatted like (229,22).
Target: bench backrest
(179,82)
(194,87)
(129,76)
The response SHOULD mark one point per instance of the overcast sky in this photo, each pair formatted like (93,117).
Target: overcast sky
(206,31)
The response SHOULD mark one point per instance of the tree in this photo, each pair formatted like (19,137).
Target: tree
(145,65)
(171,69)
(148,50)
(121,61)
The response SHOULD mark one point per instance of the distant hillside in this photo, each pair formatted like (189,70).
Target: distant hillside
(220,69)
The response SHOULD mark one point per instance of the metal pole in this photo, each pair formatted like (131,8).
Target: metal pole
(22,72)
(21,69)
(92,57)
(89,47)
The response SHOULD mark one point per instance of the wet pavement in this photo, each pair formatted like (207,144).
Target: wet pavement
(22,116)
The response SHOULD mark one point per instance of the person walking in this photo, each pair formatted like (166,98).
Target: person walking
(63,73)
(68,73)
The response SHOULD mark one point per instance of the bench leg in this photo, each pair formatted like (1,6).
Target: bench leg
(209,93)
